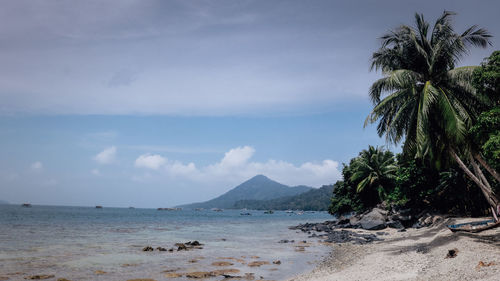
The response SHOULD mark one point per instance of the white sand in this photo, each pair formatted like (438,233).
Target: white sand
(397,258)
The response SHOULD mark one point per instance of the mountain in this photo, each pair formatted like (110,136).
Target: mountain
(312,200)
(257,188)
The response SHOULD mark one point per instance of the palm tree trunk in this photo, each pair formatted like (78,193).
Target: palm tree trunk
(486,166)
(487,192)
(478,172)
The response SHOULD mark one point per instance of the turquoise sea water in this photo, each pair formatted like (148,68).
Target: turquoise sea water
(75,242)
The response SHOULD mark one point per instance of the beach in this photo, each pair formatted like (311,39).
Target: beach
(416,254)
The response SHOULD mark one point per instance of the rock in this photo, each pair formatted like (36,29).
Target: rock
(277,262)
(483,264)
(148,249)
(171,249)
(222,263)
(172,275)
(428,221)
(422,250)
(374,220)
(100,272)
(181,246)
(199,274)
(161,249)
(59,279)
(452,253)
(395,224)
(354,220)
(194,243)
(141,279)
(286,241)
(436,219)
(257,263)
(380,211)
(402,230)
(40,277)
(417,225)
(343,220)
(225,271)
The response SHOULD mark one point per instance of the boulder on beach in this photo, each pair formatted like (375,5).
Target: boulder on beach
(374,220)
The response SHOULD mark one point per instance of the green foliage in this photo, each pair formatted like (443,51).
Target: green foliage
(345,199)
(416,185)
(312,200)
(486,79)
(486,136)
(422,98)
(374,169)
(367,180)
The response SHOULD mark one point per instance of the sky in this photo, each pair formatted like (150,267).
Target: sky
(161,103)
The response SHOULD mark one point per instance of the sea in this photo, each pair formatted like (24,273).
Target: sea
(88,243)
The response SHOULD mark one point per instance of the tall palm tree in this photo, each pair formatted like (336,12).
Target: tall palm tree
(374,169)
(423,98)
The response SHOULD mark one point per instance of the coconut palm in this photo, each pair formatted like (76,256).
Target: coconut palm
(374,169)
(423,98)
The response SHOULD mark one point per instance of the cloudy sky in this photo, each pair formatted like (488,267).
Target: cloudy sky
(157,103)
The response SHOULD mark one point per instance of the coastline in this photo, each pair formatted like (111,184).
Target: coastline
(416,254)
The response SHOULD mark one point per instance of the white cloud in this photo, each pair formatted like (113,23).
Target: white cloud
(36,166)
(236,166)
(237,156)
(150,161)
(106,156)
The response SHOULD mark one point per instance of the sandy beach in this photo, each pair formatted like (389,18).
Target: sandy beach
(417,254)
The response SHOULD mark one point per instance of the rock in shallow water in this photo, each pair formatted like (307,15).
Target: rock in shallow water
(40,277)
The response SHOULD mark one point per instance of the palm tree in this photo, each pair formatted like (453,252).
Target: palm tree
(423,98)
(374,169)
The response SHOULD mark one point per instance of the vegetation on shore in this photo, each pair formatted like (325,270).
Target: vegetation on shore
(447,118)
(312,200)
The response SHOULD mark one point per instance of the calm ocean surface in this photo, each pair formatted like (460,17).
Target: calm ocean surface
(75,242)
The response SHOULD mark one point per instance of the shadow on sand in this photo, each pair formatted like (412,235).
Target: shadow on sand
(442,236)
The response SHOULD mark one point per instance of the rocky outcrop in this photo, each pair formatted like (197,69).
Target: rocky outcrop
(375,219)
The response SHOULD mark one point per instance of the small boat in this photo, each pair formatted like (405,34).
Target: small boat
(98,207)
(245,214)
(26,205)
(289,211)
(269,212)
(216,210)
(474,226)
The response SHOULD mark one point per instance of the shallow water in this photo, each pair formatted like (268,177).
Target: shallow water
(75,242)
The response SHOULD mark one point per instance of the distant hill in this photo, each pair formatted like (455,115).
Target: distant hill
(2,202)
(312,200)
(257,188)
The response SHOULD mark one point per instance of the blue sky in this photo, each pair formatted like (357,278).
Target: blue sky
(159,103)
